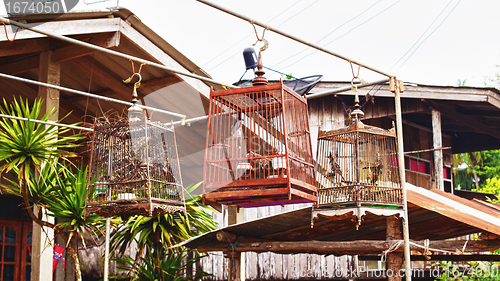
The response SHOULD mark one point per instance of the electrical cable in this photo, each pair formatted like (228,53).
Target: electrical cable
(317,42)
(344,34)
(429,35)
(442,11)
(269,21)
(226,50)
(46,122)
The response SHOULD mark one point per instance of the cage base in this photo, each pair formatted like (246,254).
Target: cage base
(126,210)
(249,197)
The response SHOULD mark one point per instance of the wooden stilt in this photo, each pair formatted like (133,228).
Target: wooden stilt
(394,259)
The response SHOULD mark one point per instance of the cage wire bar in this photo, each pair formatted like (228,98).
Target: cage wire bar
(357,165)
(258,148)
(134,169)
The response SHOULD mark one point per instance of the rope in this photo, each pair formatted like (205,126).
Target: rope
(427,250)
(392,248)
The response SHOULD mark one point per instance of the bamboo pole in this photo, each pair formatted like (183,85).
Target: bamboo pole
(282,33)
(396,86)
(69,90)
(111,52)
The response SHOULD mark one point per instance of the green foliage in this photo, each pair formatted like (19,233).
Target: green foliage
(25,144)
(473,271)
(168,268)
(167,230)
(491,186)
(158,237)
(477,167)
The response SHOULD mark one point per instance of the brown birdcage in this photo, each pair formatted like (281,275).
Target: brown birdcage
(357,168)
(258,148)
(134,169)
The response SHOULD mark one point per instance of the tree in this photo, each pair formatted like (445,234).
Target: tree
(38,156)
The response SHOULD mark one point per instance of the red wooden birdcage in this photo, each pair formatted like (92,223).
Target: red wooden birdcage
(258,148)
(134,169)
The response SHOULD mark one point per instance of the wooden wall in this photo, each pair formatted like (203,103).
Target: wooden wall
(270,266)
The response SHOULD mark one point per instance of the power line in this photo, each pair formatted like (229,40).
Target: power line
(442,11)
(305,49)
(223,52)
(429,35)
(277,26)
(345,33)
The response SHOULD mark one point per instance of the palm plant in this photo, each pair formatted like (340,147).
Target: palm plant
(26,147)
(159,236)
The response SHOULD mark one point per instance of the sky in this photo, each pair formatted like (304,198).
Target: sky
(432,42)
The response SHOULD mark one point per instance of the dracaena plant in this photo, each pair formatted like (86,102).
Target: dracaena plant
(28,149)
(159,237)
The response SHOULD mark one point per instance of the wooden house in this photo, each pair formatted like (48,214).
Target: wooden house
(438,121)
(466,118)
(37,57)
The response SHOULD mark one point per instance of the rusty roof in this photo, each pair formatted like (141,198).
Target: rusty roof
(434,215)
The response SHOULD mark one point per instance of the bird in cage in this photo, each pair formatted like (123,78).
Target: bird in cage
(375,170)
(264,165)
(334,167)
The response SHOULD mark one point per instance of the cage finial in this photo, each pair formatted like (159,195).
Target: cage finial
(357,113)
(260,79)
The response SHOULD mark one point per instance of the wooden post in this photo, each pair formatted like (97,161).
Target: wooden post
(236,260)
(42,247)
(396,86)
(394,259)
(437,140)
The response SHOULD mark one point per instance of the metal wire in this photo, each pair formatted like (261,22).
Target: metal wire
(88,94)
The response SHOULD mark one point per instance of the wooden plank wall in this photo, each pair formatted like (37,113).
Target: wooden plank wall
(271,266)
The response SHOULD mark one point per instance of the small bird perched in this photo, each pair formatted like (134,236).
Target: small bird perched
(263,164)
(376,170)
(334,167)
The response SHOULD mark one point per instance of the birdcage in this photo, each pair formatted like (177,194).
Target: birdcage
(258,148)
(134,169)
(357,166)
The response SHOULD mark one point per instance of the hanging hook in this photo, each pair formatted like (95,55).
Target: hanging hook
(7,36)
(136,85)
(261,39)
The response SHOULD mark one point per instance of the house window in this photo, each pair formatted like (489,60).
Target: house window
(15,237)
(417,165)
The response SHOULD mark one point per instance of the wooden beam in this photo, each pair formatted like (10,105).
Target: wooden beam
(69,27)
(467,257)
(145,85)
(467,120)
(104,77)
(22,47)
(21,66)
(352,247)
(107,40)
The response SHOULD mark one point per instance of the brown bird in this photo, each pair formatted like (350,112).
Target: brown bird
(334,167)
(376,170)
(260,164)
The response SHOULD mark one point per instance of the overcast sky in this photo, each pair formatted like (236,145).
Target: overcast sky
(434,42)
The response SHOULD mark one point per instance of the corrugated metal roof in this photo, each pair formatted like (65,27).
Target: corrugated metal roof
(433,215)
